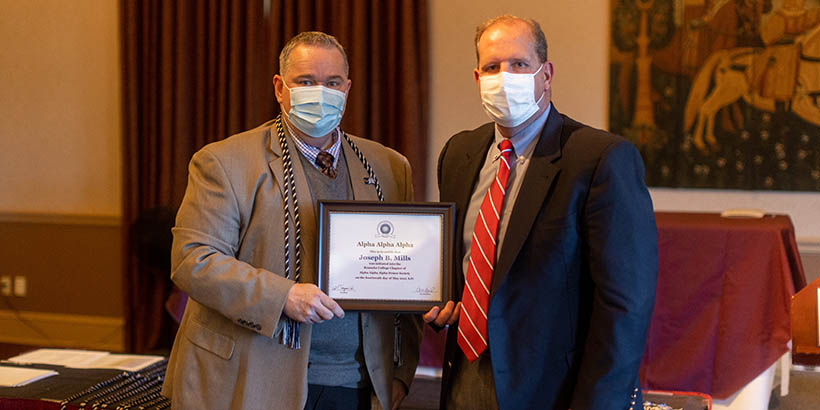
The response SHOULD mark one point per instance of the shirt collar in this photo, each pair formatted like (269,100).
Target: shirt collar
(310,152)
(522,140)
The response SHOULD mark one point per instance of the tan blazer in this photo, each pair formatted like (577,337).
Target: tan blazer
(228,255)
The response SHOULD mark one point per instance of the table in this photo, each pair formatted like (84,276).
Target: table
(805,325)
(721,313)
(107,388)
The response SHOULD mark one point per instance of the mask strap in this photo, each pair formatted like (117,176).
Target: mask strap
(538,70)
(543,93)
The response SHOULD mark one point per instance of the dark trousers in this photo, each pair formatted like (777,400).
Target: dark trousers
(337,398)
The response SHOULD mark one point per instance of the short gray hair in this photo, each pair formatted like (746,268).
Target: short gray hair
(310,38)
(539,40)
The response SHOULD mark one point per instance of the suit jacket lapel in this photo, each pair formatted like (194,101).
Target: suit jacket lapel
(537,181)
(307,217)
(358,175)
(275,164)
(307,213)
(464,182)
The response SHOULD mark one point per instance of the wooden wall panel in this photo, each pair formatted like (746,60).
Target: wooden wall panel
(73,265)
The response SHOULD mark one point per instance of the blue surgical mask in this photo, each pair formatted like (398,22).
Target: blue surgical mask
(315,110)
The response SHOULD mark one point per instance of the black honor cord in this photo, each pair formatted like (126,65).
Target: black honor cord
(372,179)
(290,333)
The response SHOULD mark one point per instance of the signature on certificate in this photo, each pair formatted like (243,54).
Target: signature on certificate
(342,289)
(425,291)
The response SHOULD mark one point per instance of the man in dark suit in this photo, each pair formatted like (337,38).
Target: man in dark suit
(557,280)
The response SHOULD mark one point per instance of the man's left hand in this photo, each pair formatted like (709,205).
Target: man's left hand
(399,393)
(441,317)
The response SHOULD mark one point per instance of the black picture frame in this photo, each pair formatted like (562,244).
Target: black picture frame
(329,209)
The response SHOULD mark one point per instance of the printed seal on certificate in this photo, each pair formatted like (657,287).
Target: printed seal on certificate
(389,256)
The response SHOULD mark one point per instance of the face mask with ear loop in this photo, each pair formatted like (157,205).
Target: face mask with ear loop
(315,110)
(509,98)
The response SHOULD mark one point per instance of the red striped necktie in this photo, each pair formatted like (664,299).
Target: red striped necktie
(472,327)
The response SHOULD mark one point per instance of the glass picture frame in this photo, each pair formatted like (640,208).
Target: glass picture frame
(386,256)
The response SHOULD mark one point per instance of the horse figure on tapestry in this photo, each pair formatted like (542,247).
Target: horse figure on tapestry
(743,73)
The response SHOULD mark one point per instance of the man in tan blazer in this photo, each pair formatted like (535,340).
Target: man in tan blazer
(245,341)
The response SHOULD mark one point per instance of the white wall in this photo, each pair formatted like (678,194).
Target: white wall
(578,41)
(60,107)
(580,82)
(60,99)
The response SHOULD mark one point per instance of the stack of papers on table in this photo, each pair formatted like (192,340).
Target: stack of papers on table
(86,359)
(20,376)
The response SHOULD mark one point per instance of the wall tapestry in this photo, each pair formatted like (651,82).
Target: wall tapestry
(719,93)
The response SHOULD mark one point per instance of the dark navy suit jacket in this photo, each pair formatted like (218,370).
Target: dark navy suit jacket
(574,284)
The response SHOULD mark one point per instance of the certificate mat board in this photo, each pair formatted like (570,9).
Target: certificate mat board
(386,256)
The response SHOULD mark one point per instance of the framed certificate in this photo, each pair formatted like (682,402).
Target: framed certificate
(386,256)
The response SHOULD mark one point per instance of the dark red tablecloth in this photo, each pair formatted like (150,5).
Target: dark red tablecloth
(722,308)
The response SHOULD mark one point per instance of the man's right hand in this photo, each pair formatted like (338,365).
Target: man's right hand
(307,304)
(441,317)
